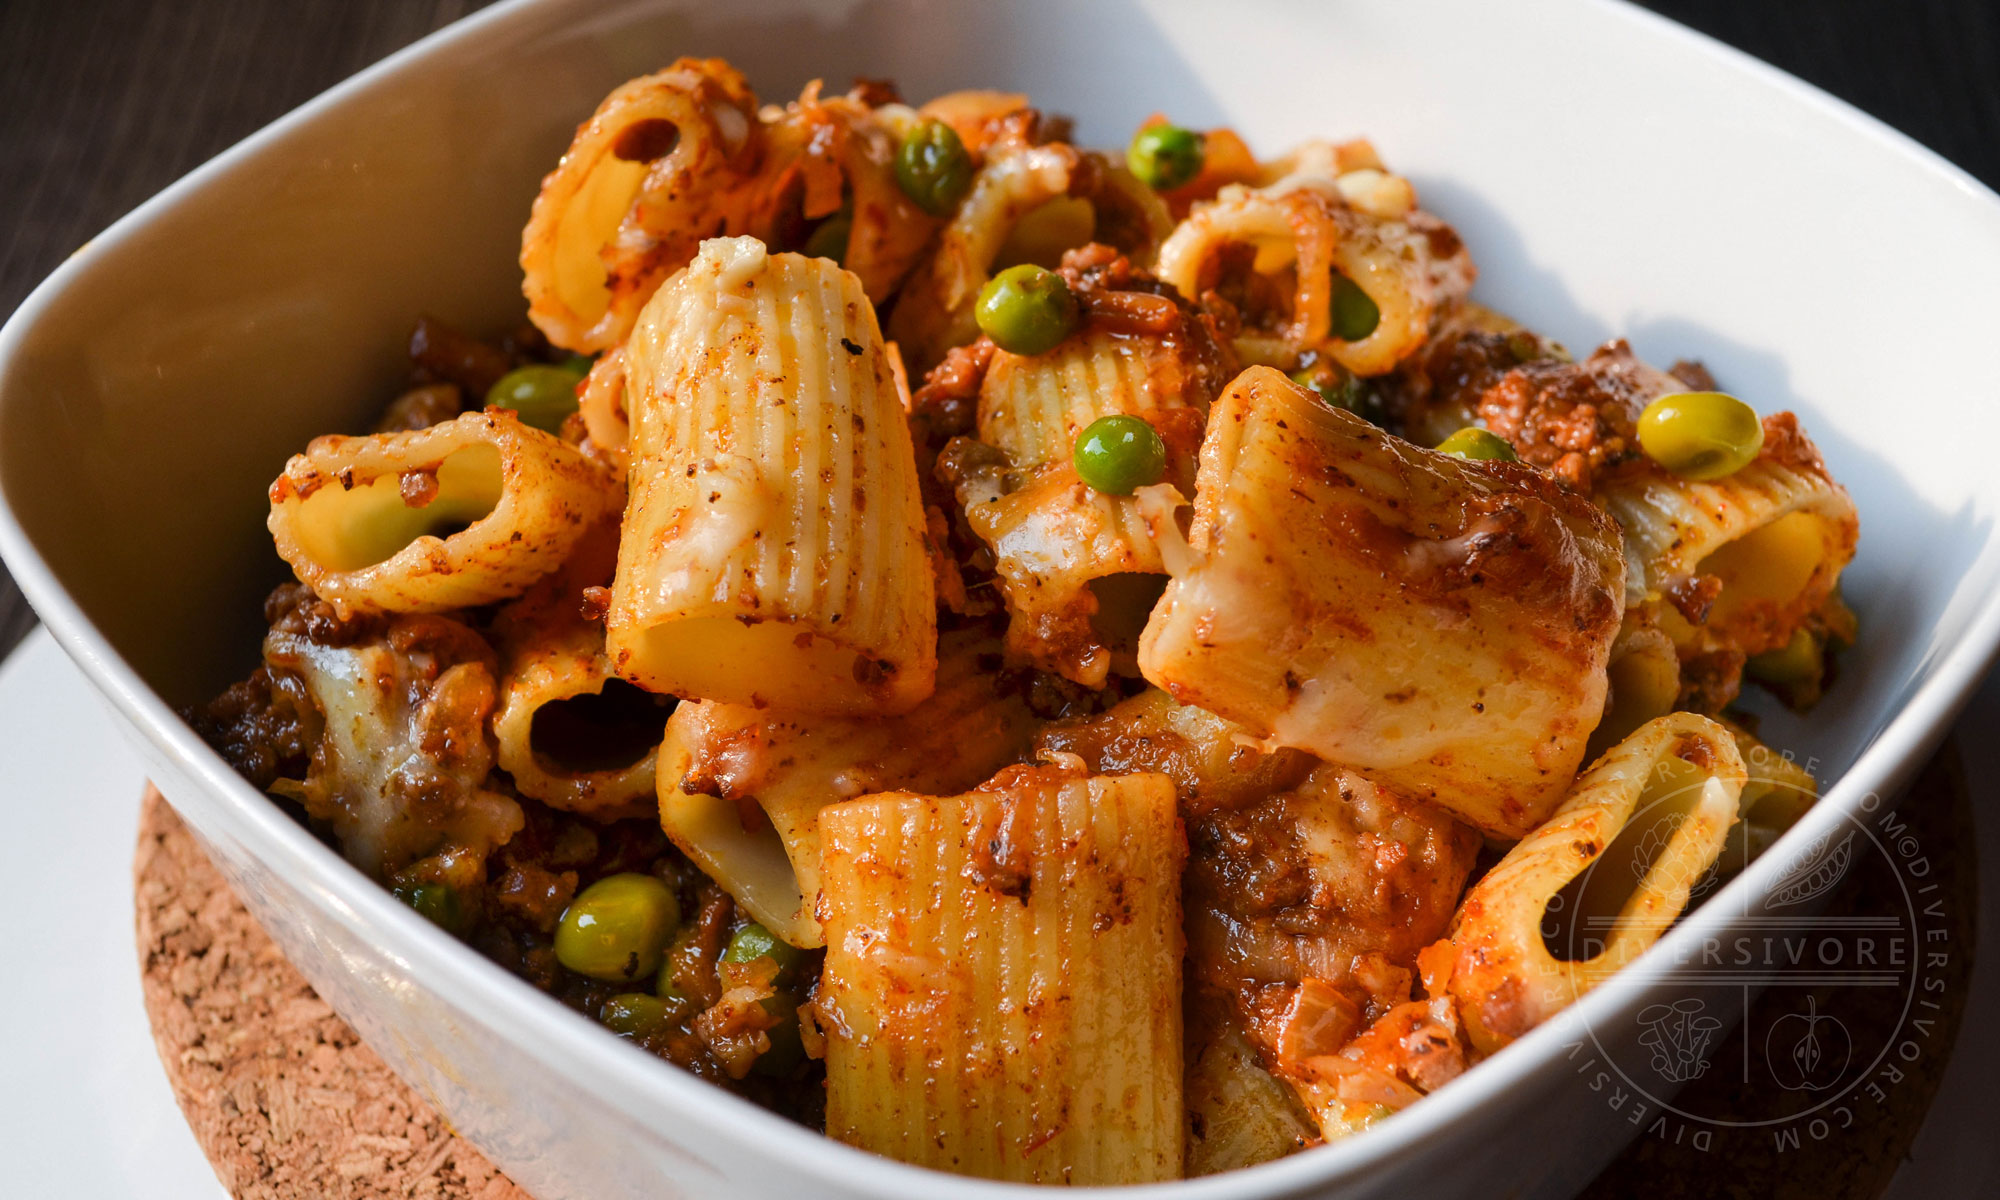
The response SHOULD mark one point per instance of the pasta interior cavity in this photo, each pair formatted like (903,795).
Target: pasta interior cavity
(346,529)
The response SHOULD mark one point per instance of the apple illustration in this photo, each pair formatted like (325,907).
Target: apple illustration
(1807,1051)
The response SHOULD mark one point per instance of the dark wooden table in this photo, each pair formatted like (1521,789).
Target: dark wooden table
(104,102)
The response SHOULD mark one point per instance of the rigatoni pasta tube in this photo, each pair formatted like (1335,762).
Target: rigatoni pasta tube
(720,759)
(773,549)
(1379,875)
(1074,563)
(1736,566)
(462,513)
(1643,679)
(1239,1114)
(661,164)
(1281,250)
(1625,849)
(825,155)
(1777,791)
(571,733)
(1438,624)
(1002,989)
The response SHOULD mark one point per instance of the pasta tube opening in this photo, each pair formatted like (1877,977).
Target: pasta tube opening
(570,733)
(1332,258)
(1642,681)
(1044,233)
(607,730)
(827,185)
(1767,568)
(1612,869)
(1777,792)
(346,530)
(658,166)
(1590,910)
(462,513)
(1028,203)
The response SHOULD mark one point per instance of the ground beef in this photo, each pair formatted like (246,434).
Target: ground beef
(421,407)
(260,728)
(1578,420)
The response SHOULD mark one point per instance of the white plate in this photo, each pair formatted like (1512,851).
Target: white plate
(85,1110)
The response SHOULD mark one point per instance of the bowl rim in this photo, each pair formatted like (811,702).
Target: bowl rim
(636,1082)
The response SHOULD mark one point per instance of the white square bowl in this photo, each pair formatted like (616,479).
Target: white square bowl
(1612,174)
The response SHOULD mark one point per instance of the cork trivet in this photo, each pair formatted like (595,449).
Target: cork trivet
(284,1099)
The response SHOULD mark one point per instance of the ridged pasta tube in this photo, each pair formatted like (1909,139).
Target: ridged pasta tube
(1734,567)
(1438,624)
(719,760)
(1239,1114)
(773,549)
(1308,893)
(1642,680)
(462,513)
(569,731)
(1002,990)
(823,154)
(660,165)
(1275,252)
(1611,871)
(1777,792)
(1075,563)
(1375,873)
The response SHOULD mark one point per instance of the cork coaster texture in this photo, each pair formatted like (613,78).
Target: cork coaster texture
(284,1099)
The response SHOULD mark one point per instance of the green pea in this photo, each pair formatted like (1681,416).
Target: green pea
(1524,346)
(1797,661)
(540,394)
(633,1014)
(829,239)
(1027,309)
(933,168)
(1700,435)
(1165,156)
(617,930)
(1119,454)
(440,903)
(1336,387)
(753,942)
(1354,314)
(787,1048)
(1472,442)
